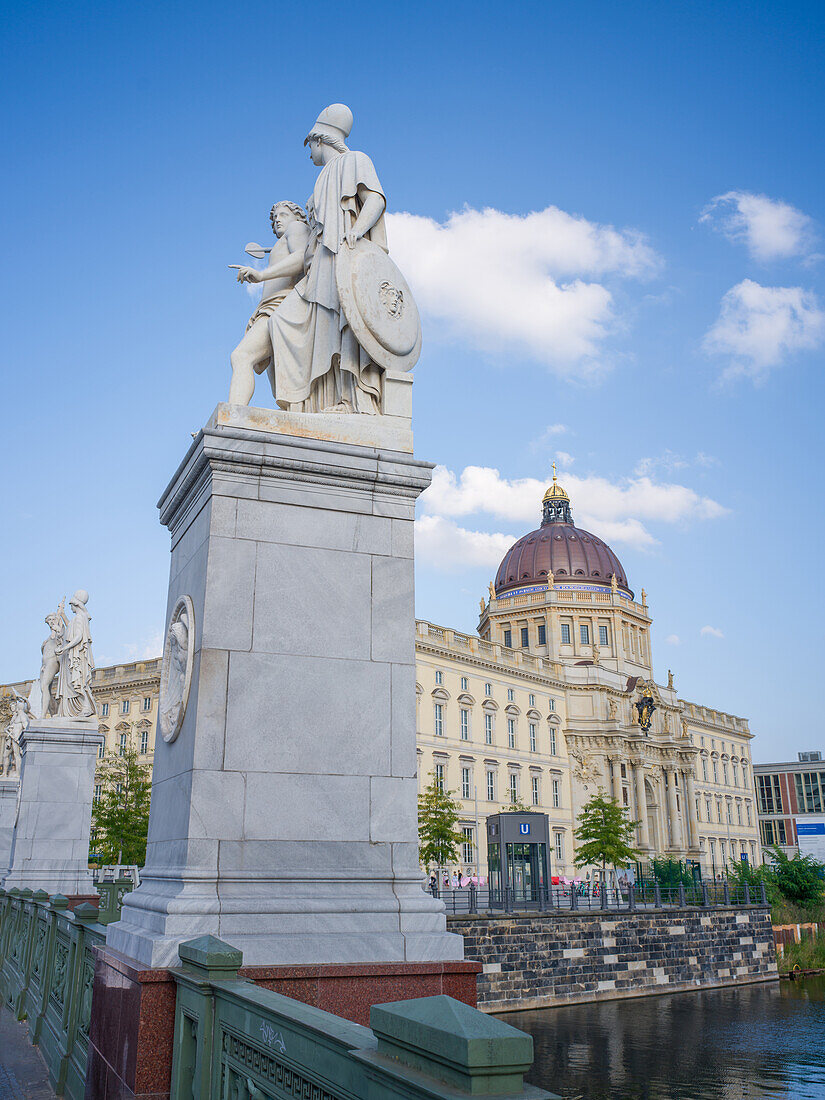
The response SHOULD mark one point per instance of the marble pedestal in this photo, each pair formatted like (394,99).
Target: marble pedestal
(284,815)
(8,812)
(50,846)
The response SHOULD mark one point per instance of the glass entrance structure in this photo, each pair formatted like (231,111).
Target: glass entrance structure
(518,859)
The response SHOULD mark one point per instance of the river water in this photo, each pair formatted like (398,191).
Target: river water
(752,1041)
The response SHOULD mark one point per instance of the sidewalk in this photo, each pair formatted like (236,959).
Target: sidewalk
(23,1074)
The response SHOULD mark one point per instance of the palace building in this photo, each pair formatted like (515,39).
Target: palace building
(553,699)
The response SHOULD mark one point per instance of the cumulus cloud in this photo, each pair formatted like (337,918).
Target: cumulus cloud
(526,283)
(564,459)
(444,545)
(760,326)
(617,511)
(673,639)
(770,229)
(711,632)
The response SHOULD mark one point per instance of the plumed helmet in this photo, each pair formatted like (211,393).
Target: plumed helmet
(80,597)
(335,121)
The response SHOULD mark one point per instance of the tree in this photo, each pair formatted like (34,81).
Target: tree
(438,838)
(605,834)
(517,807)
(120,817)
(800,880)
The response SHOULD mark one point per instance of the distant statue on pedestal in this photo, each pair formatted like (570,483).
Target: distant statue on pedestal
(74,677)
(612,710)
(21,715)
(352,315)
(50,664)
(670,679)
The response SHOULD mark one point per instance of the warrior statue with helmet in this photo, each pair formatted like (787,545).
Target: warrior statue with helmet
(352,315)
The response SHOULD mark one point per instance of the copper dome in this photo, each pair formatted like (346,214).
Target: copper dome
(558,546)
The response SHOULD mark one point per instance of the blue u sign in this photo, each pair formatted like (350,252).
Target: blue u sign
(524,827)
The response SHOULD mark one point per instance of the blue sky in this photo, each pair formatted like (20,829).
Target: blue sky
(612,217)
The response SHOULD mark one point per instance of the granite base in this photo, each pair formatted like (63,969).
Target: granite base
(133,1010)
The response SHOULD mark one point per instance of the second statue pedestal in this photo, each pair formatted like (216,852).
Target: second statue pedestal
(50,844)
(284,815)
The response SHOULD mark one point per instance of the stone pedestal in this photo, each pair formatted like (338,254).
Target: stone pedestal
(50,847)
(284,816)
(8,812)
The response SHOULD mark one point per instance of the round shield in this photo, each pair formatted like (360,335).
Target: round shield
(378,306)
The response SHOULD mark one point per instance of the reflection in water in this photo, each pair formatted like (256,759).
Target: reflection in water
(754,1041)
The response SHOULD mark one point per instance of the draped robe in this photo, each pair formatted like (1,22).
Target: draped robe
(318,362)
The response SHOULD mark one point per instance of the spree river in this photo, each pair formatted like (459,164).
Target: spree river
(765,1040)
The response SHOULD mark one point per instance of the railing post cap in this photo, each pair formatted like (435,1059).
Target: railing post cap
(451,1041)
(86,912)
(212,956)
(59,901)
(26,893)
(14,892)
(40,895)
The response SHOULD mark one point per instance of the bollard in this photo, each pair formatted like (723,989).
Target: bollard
(657,895)
(682,895)
(747,894)
(603,893)
(540,899)
(574,898)
(631,897)
(726,894)
(473,898)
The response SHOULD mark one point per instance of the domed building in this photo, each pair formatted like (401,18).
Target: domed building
(555,698)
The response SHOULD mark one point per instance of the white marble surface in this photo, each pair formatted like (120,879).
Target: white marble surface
(284,815)
(9,789)
(50,843)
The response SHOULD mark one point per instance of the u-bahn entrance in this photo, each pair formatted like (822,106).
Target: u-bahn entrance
(518,858)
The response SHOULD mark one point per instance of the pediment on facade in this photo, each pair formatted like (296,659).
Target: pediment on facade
(440,693)
(490,704)
(466,699)
(511,708)
(123,726)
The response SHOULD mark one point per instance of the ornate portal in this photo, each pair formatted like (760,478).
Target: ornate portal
(176,670)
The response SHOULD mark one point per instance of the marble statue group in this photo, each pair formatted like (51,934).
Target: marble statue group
(67,665)
(335,312)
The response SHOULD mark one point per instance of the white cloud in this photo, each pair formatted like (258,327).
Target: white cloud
(711,632)
(527,284)
(669,461)
(617,512)
(444,545)
(673,639)
(564,459)
(771,229)
(761,325)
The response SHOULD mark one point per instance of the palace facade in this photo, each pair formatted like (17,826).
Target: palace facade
(553,699)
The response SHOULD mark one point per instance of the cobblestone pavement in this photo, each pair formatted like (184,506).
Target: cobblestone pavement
(23,1074)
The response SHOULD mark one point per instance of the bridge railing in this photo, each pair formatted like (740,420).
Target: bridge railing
(46,976)
(235,1039)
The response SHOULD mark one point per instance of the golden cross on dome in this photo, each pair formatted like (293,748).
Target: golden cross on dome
(554,471)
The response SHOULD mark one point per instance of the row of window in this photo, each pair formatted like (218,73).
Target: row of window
(123,744)
(488,690)
(733,849)
(468,845)
(489,729)
(728,812)
(125,706)
(773,833)
(734,767)
(584,634)
(514,792)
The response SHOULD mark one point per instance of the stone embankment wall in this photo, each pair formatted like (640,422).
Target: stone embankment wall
(535,960)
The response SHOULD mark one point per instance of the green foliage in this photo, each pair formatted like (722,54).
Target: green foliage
(807,955)
(517,807)
(671,872)
(605,834)
(800,881)
(740,873)
(120,817)
(438,838)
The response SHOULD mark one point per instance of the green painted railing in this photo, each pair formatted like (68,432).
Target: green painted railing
(46,975)
(238,1041)
(112,894)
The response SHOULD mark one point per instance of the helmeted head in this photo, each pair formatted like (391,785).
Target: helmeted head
(79,599)
(332,127)
(282,213)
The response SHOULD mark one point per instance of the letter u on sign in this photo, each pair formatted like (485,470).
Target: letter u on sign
(524,827)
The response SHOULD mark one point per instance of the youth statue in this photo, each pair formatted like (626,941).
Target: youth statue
(351,316)
(74,676)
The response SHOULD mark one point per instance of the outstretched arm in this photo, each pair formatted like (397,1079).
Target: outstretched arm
(296,237)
